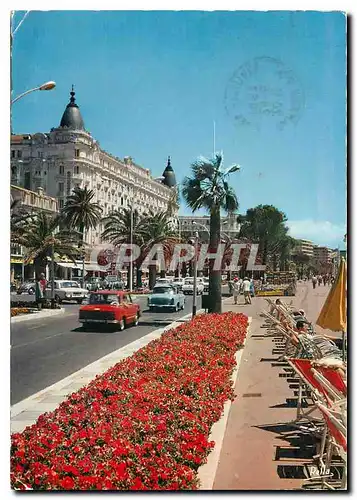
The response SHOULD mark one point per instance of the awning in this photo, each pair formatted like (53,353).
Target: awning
(69,265)
(16,260)
(95,267)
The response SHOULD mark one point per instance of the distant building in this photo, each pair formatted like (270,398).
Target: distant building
(189,224)
(322,259)
(68,156)
(305,247)
(32,201)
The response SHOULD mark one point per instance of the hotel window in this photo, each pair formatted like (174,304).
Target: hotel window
(61,188)
(68,183)
(76,169)
(13,170)
(19,154)
(13,152)
(76,153)
(61,203)
(61,170)
(27,180)
(40,154)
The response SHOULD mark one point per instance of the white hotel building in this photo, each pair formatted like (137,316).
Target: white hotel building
(68,156)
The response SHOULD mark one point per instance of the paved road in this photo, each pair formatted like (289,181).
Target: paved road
(44,351)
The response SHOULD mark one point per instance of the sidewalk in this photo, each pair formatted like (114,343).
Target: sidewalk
(44,313)
(260,451)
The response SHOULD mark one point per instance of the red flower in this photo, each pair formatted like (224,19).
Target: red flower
(67,483)
(145,423)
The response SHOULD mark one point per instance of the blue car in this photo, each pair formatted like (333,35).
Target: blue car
(167,297)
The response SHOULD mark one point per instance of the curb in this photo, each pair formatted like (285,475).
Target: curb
(38,315)
(56,393)
(207,472)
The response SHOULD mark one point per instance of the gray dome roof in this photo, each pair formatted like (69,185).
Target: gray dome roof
(169,175)
(72,117)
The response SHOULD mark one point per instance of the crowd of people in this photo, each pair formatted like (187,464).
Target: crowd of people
(322,279)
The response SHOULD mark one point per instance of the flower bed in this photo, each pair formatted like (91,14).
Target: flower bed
(15,311)
(143,424)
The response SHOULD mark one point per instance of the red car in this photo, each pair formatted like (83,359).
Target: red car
(110,307)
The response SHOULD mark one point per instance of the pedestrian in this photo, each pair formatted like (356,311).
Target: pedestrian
(252,292)
(236,290)
(40,288)
(230,286)
(246,290)
(314,281)
(319,279)
(240,283)
(324,279)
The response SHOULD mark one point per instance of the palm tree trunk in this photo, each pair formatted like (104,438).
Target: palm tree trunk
(152,276)
(139,274)
(40,266)
(215,277)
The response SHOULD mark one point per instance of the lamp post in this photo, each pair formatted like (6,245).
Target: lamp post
(45,86)
(194,298)
(53,273)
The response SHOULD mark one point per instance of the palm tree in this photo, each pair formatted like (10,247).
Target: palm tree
(208,188)
(19,217)
(117,230)
(82,213)
(157,229)
(41,240)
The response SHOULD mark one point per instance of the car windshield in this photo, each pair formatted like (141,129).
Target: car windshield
(162,289)
(189,282)
(69,284)
(103,298)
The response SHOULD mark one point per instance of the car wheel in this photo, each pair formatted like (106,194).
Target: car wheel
(136,320)
(183,306)
(58,299)
(31,291)
(151,308)
(121,324)
(177,308)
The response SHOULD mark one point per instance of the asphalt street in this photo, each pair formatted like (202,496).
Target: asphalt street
(44,351)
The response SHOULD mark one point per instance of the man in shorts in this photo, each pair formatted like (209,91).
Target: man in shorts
(246,290)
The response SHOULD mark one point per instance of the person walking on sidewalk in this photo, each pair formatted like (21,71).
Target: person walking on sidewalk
(314,281)
(236,289)
(246,290)
(252,291)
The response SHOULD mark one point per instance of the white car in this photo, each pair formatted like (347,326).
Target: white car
(179,282)
(163,281)
(67,290)
(187,287)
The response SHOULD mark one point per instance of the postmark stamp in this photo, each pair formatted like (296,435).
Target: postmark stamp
(264,89)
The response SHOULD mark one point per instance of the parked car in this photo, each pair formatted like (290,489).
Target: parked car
(93,284)
(112,307)
(165,296)
(187,287)
(205,282)
(179,282)
(163,281)
(67,290)
(113,283)
(27,287)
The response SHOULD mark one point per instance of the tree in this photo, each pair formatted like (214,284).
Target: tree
(19,217)
(117,230)
(81,212)
(157,229)
(209,188)
(264,224)
(41,237)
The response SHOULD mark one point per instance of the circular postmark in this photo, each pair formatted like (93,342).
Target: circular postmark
(264,88)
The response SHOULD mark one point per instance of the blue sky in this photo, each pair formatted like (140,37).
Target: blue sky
(151,84)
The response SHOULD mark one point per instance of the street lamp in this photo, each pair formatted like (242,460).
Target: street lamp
(194,296)
(45,86)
